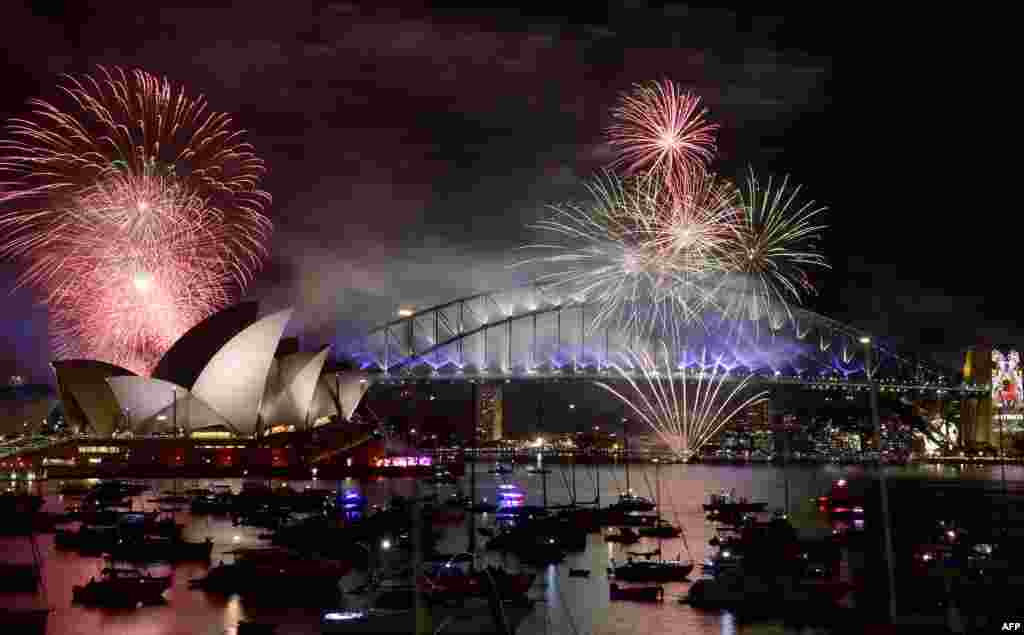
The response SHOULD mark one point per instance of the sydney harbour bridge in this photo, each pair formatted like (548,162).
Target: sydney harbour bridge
(527,334)
(530,335)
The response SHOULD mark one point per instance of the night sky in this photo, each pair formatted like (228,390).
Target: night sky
(408,148)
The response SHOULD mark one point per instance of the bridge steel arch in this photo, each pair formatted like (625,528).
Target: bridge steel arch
(530,334)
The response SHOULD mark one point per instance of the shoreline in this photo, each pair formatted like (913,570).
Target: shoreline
(331,473)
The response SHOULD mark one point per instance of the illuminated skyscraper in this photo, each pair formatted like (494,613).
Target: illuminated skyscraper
(487,408)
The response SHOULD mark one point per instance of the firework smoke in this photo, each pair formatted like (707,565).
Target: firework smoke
(136,210)
(684,414)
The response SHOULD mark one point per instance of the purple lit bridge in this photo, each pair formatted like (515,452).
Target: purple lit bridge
(529,334)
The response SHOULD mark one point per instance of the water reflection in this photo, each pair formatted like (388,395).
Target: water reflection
(728,623)
(569,605)
(233,613)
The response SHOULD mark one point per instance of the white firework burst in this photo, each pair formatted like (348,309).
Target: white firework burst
(685,409)
(607,251)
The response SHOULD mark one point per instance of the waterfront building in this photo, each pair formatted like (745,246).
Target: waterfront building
(487,406)
(239,381)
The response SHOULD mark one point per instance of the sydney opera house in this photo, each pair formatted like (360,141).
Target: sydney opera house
(230,376)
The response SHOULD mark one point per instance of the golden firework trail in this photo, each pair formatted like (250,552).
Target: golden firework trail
(685,409)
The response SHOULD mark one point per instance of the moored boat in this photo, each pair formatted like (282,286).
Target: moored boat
(441,477)
(162,549)
(661,529)
(728,504)
(448,580)
(307,578)
(74,489)
(483,507)
(624,535)
(653,571)
(630,502)
(636,593)
(122,587)
(458,500)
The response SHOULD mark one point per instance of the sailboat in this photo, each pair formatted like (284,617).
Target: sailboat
(628,501)
(661,527)
(583,516)
(578,518)
(654,570)
(533,534)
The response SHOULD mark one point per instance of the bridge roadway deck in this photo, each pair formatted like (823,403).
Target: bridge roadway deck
(614,377)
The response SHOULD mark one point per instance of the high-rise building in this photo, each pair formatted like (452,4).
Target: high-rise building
(487,407)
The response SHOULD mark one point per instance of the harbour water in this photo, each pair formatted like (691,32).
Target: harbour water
(567,605)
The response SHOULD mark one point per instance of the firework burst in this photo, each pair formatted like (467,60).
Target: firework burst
(684,413)
(677,245)
(661,130)
(693,232)
(147,267)
(772,247)
(606,253)
(136,210)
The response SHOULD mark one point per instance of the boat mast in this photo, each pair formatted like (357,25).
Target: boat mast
(657,502)
(422,609)
(540,454)
(657,488)
(572,458)
(472,486)
(543,476)
(625,453)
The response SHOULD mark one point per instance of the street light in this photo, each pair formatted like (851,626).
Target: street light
(405,312)
(1007,406)
(869,373)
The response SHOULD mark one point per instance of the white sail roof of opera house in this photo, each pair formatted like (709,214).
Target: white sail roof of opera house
(232,383)
(184,361)
(227,393)
(142,398)
(242,387)
(339,394)
(188,413)
(291,383)
(89,403)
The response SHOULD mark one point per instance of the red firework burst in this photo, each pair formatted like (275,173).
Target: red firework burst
(136,211)
(660,128)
